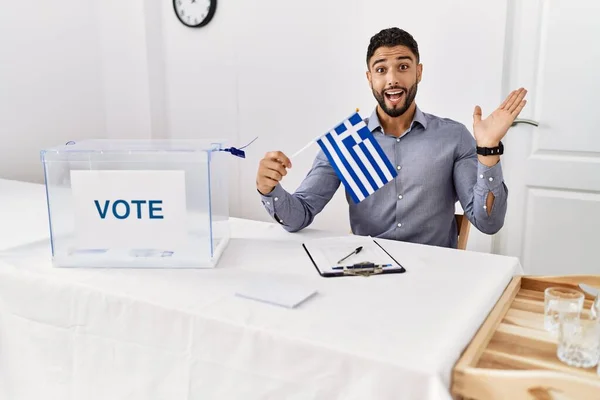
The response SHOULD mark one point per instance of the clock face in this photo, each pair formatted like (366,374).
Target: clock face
(195,13)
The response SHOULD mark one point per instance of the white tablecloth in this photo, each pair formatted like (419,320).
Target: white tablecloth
(23,213)
(87,334)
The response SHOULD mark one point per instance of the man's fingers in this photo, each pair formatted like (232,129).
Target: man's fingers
(274,175)
(269,181)
(511,99)
(264,179)
(477,114)
(506,100)
(279,156)
(275,166)
(517,110)
(518,100)
(265,184)
(271,170)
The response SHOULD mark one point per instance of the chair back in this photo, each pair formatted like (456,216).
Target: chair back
(463,231)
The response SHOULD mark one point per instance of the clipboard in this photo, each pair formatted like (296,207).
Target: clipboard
(373,260)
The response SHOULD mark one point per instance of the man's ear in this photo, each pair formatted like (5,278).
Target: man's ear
(419,72)
(369,79)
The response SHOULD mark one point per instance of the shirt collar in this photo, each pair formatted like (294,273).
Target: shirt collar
(419,117)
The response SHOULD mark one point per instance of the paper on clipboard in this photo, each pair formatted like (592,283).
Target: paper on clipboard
(325,253)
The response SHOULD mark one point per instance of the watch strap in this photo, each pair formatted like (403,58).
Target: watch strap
(491,151)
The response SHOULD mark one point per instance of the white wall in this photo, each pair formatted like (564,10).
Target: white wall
(289,71)
(283,71)
(121,27)
(50,81)
(71,70)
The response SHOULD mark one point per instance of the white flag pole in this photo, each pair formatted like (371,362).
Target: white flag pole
(309,144)
(304,148)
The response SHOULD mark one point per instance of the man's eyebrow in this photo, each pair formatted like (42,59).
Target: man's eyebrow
(380,60)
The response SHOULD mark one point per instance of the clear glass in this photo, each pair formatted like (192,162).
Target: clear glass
(595,311)
(206,214)
(561,304)
(579,342)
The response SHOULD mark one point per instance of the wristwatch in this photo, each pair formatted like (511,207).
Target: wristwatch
(491,151)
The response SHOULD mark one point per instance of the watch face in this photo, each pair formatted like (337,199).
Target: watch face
(195,13)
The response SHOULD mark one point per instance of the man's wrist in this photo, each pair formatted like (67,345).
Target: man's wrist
(488,161)
(488,143)
(265,191)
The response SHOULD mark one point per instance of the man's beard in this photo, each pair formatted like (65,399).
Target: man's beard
(409,97)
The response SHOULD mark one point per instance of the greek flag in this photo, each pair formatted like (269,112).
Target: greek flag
(357,158)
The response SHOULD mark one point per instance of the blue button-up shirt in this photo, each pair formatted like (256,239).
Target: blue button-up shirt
(437,166)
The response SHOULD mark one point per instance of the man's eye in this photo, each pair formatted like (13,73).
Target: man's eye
(379,70)
(404,67)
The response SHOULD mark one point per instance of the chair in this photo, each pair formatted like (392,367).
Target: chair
(463,231)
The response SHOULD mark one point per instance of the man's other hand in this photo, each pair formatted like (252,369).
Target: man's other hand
(488,132)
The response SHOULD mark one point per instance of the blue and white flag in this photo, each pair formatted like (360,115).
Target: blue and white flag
(357,158)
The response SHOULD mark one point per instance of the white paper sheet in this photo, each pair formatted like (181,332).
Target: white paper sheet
(277,292)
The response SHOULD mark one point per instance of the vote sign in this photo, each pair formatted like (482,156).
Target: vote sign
(129,209)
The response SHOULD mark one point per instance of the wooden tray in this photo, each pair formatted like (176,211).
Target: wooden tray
(512,356)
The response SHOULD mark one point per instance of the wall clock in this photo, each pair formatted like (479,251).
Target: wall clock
(195,13)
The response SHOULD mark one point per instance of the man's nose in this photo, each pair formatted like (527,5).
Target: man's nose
(392,79)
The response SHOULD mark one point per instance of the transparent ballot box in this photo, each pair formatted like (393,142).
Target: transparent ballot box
(137,203)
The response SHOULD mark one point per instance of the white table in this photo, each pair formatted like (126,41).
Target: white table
(182,334)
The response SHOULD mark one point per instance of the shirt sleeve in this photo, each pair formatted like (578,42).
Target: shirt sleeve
(297,211)
(473,182)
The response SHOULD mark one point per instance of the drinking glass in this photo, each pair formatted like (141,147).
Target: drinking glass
(579,342)
(561,303)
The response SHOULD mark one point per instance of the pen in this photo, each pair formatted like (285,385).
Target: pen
(361,266)
(356,251)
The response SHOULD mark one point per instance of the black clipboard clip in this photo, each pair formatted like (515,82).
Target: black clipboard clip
(363,269)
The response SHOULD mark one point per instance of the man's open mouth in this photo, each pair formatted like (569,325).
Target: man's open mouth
(394,95)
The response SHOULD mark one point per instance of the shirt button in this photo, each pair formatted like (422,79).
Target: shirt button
(398,140)
(485,207)
(481,176)
(400,196)
(399,224)
(276,198)
(268,203)
(491,179)
(398,167)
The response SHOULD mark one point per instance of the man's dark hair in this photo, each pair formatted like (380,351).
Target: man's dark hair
(392,37)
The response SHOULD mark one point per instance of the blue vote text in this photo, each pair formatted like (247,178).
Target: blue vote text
(123,209)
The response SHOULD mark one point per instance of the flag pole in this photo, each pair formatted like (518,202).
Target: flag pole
(304,148)
(310,143)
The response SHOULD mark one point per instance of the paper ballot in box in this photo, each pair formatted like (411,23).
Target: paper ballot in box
(137,203)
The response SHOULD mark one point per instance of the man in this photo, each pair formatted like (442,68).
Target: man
(437,160)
